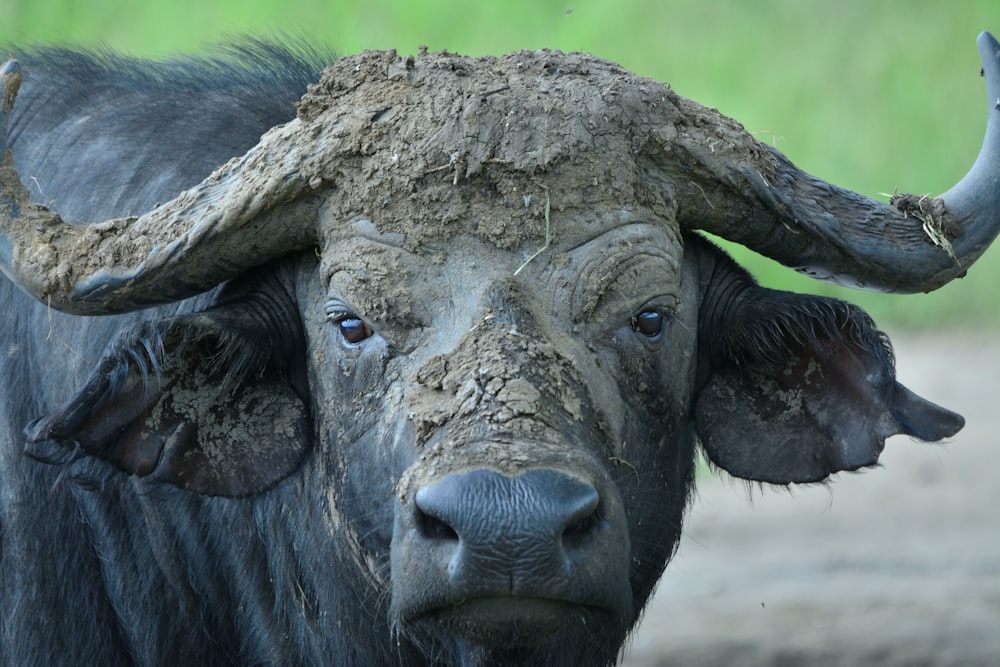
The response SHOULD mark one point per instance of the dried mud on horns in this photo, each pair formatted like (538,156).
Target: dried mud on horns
(441,144)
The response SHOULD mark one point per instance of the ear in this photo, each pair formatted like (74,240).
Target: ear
(202,401)
(798,387)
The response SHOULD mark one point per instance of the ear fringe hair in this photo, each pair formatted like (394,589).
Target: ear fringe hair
(743,323)
(235,358)
(773,323)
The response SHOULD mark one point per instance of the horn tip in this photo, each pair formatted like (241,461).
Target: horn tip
(989,54)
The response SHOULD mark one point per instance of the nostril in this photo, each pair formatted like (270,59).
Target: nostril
(580,528)
(433,528)
(583,526)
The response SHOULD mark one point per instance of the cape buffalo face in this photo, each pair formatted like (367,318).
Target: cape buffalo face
(515,451)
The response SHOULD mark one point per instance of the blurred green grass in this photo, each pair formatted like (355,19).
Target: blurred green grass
(874,95)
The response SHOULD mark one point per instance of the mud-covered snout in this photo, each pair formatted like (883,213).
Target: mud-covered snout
(510,560)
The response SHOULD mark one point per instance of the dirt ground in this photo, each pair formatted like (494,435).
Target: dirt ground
(893,566)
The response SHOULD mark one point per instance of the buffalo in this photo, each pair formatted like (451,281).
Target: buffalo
(407,361)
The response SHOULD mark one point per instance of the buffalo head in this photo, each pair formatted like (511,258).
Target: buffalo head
(466,329)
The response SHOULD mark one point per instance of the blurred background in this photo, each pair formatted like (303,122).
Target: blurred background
(874,95)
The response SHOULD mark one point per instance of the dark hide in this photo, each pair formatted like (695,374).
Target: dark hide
(221,480)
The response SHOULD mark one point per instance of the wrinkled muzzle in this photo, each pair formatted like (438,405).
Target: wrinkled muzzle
(510,560)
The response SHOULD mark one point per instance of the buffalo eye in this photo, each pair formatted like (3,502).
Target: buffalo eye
(649,323)
(354,330)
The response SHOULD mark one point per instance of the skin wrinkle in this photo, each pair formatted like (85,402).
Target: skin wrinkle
(618,275)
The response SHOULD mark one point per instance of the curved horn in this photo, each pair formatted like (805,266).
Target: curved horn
(244,214)
(247,212)
(913,244)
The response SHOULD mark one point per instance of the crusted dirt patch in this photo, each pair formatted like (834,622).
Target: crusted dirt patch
(443,141)
(496,375)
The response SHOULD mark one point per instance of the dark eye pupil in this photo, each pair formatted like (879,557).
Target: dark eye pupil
(648,323)
(354,330)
